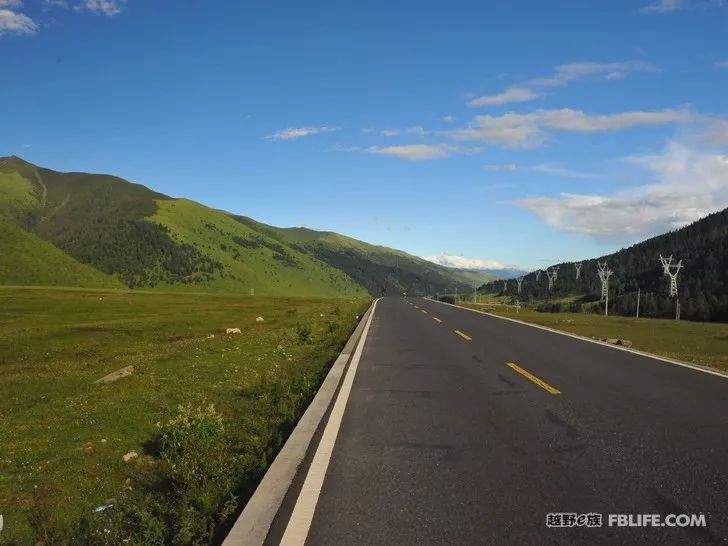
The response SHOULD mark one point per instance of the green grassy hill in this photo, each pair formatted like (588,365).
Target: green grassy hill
(379,269)
(133,236)
(29,260)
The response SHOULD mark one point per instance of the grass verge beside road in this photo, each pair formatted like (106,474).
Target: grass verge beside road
(64,437)
(704,343)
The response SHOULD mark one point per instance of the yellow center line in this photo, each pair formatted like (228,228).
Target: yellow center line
(545,386)
(464,336)
(436,319)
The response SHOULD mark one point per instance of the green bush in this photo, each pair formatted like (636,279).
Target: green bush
(196,451)
(304,334)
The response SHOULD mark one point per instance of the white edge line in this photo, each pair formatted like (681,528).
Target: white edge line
(303,512)
(695,367)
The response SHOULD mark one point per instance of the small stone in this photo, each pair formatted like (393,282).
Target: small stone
(88,447)
(129,456)
(260,319)
(612,340)
(211,336)
(103,440)
(625,343)
(233,331)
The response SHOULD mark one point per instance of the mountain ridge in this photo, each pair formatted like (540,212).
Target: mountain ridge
(146,239)
(702,284)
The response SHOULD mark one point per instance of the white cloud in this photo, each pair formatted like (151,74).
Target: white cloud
(662,6)
(666,6)
(461,262)
(528,130)
(11,4)
(562,75)
(714,132)
(555,170)
(569,72)
(514,94)
(721,64)
(12,22)
(416,130)
(415,152)
(689,184)
(500,167)
(448,119)
(102,7)
(291,133)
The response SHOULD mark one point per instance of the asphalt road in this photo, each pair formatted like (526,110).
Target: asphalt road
(442,442)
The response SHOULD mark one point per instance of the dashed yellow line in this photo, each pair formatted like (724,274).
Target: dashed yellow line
(436,319)
(464,336)
(545,386)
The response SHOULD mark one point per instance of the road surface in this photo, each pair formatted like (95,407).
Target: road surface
(461,428)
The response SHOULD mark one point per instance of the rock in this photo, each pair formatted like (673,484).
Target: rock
(118,374)
(88,447)
(211,336)
(103,440)
(612,340)
(260,319)
(127,484)
(129,456)
(108,504)
(624,343)
(233,331)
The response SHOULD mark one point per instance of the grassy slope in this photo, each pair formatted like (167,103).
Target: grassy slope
(17,197)
(268,267)
(55,343)
(697,342)
(113,225)
(376,267)
(29,260)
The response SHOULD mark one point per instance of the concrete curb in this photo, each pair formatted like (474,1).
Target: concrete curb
(696,367)
(253,525)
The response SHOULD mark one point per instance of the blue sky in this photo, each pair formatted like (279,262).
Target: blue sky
(522,133)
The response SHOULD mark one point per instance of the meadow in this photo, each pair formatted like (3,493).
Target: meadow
(64,435)
(703,343)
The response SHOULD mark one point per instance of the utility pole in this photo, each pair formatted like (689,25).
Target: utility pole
(638,302)
(578,265)
(552,273)
(604,274)
(519,280)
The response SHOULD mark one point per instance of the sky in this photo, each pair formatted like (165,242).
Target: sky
(491,134)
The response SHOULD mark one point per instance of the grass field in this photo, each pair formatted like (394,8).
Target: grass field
(63,436)
(702,343)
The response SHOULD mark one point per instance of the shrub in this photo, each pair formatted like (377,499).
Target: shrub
(304,334)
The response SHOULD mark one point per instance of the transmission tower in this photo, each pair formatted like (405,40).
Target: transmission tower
(552,273)
(604,274)
(666,262)
(673,270)
(578,265)
(538,274)
(519,280)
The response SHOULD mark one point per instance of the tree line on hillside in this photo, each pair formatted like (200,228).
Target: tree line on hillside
(702,284)
(140,253)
